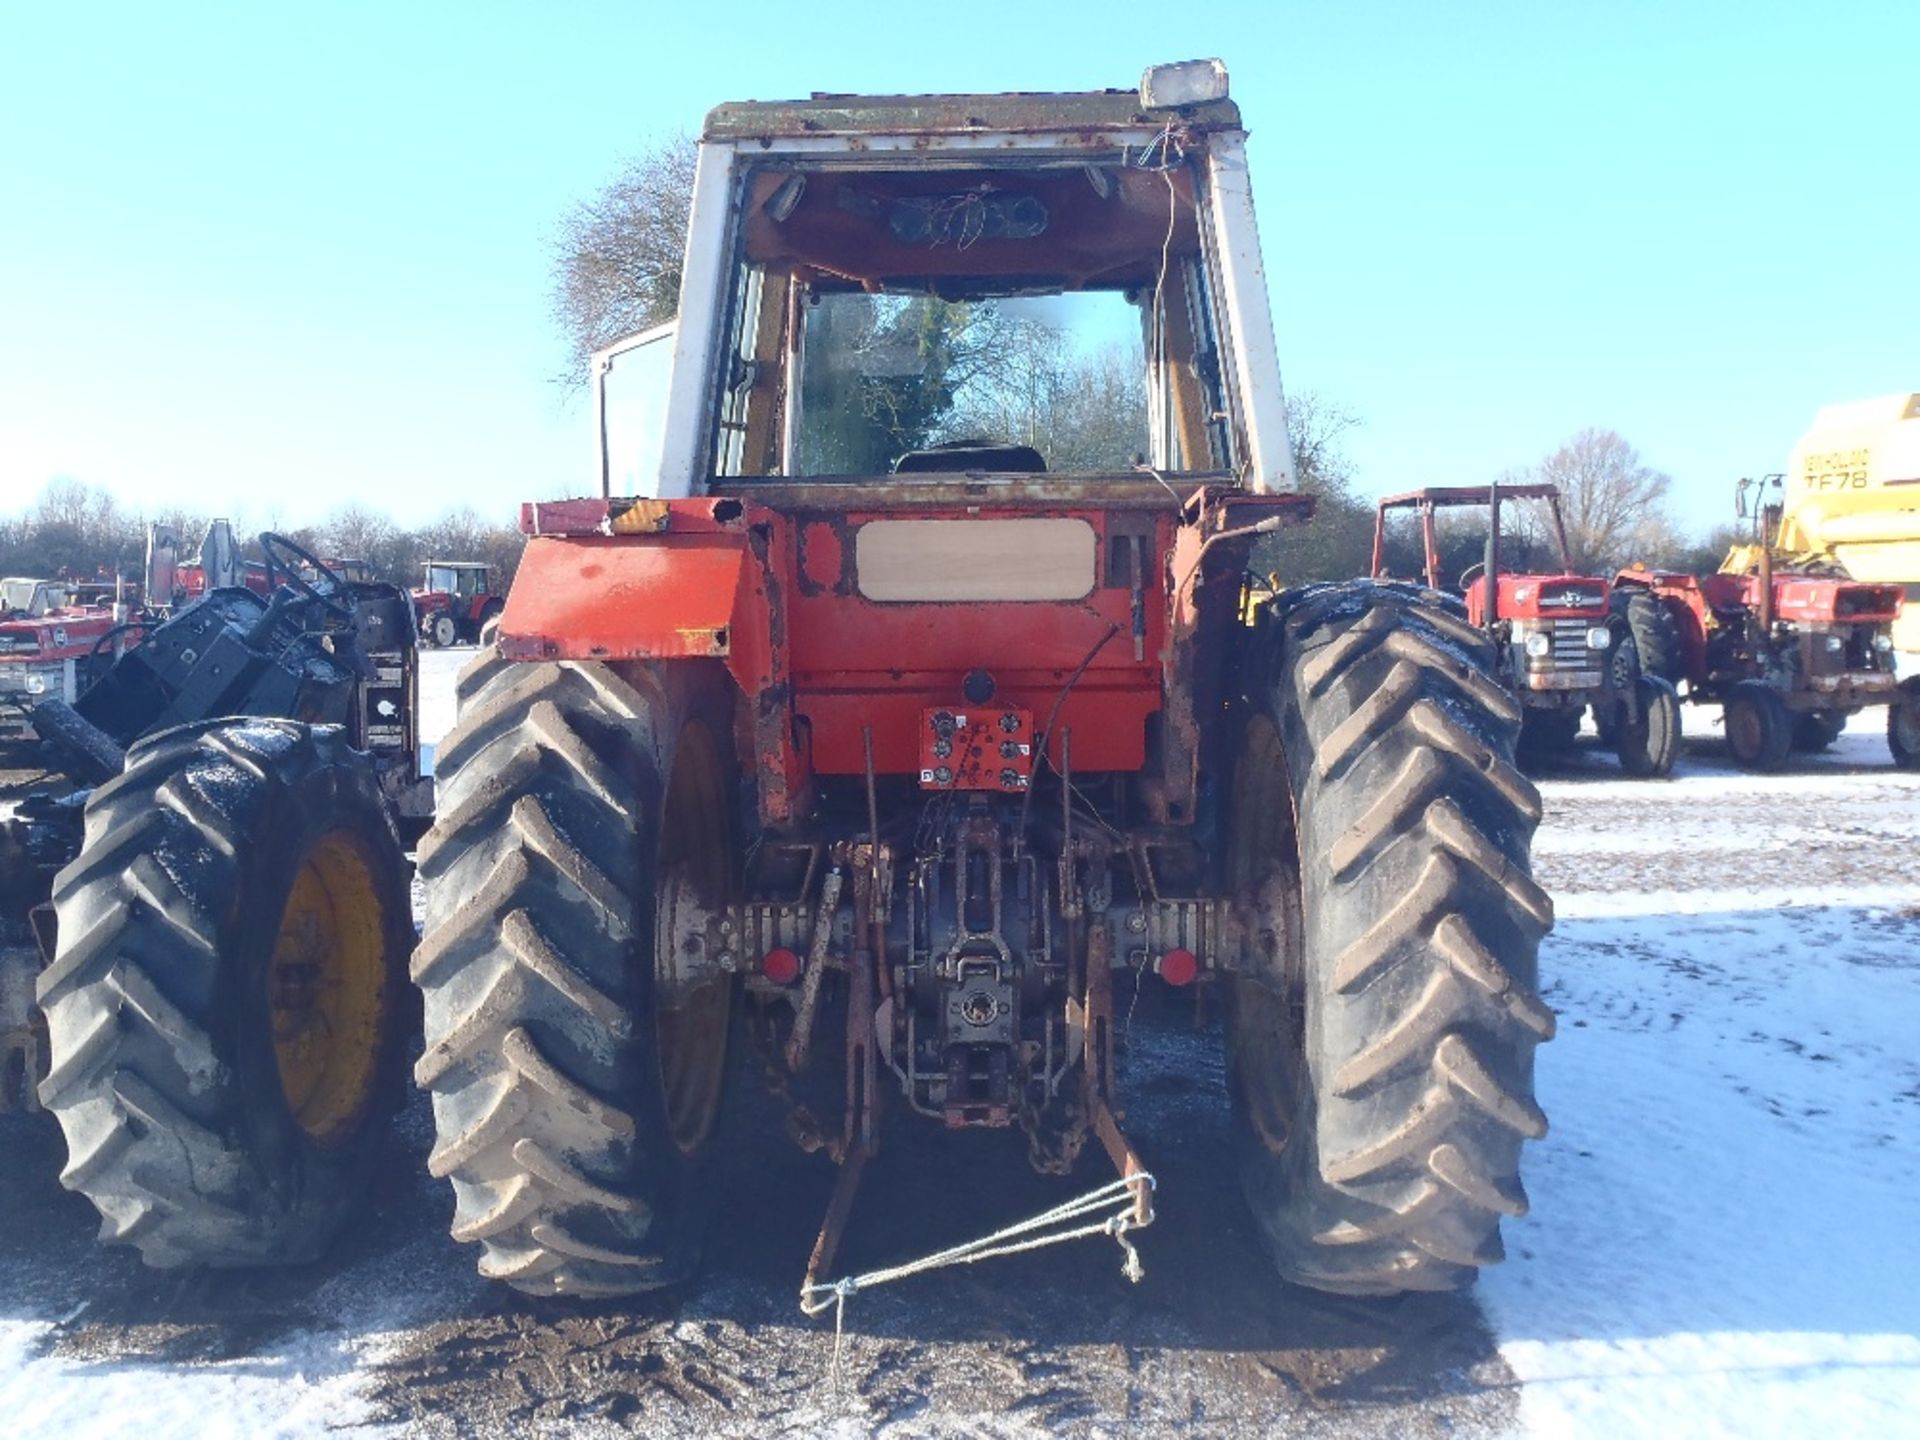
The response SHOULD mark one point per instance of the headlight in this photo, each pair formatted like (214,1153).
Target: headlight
(1835,644)
(1883,643)
(1539,644)
(36,684)
(1599,637)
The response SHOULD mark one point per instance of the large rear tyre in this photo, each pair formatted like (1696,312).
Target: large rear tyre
(576,1030)
(225,1004)
(1380,1038)
(1647,745)
(1903,725)
(1759,727)
(1655,637)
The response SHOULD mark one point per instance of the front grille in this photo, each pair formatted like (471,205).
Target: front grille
(1570,643)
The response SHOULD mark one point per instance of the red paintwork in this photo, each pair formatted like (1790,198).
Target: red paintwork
(989,747)
(1541,597)
(190,581)
(1697,604)
(426,602)
(781,966)
(1687,605)
(1178,967)
(625,599)
(64,634)
(772,594)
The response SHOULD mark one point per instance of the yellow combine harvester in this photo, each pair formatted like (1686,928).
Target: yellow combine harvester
(1852,492)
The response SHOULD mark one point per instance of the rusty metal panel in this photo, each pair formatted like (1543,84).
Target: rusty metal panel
(1069,112)
(603,599)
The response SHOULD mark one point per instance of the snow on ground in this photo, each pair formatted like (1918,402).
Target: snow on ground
(1723,1235)
(1726,1215)
(438,670)
(308,1389)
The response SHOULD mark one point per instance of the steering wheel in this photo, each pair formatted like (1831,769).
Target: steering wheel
(1472,573)
(276,548)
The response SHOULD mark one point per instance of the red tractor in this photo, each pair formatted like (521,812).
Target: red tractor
(1789,647)
(52,643)
(890,707)
(1563,643)
(455,602)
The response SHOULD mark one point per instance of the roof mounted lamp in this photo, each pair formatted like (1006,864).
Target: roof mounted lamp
(1186,82)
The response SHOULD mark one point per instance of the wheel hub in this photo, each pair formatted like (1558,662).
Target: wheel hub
(327,992)
(692,960)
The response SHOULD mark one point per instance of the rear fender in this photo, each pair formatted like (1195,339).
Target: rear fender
(657,598)
(640,598)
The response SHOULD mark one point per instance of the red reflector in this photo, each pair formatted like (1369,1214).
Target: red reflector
(1178,967)
(782,966)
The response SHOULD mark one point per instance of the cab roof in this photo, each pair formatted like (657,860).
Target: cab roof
(1031,112)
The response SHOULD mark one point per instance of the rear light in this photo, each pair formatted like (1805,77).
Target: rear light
(1178,967)
(781,966)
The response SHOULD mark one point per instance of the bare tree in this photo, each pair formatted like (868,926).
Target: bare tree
(1336,544)
(1315,426)
(1613,501)
(617,256)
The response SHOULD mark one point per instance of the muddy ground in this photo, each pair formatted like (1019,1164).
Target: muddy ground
(1055,1343)
(1058,1342)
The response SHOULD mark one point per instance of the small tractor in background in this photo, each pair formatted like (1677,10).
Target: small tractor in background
(1787,645)
(455,602)
(205,916)
(53,641)
(1562,639)
(904,722)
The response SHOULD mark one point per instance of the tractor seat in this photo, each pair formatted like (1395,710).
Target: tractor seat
(964,455)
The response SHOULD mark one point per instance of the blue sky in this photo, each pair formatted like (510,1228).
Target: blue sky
(268,258)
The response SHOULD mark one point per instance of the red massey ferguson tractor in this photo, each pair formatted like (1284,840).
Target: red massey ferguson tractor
(1560,642)
(455,602)
(1789,647)
(51,643)
(905,712)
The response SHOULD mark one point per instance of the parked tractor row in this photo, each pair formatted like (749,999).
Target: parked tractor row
(1789,647)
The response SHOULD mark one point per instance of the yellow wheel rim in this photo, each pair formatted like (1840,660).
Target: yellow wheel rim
(327,991)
